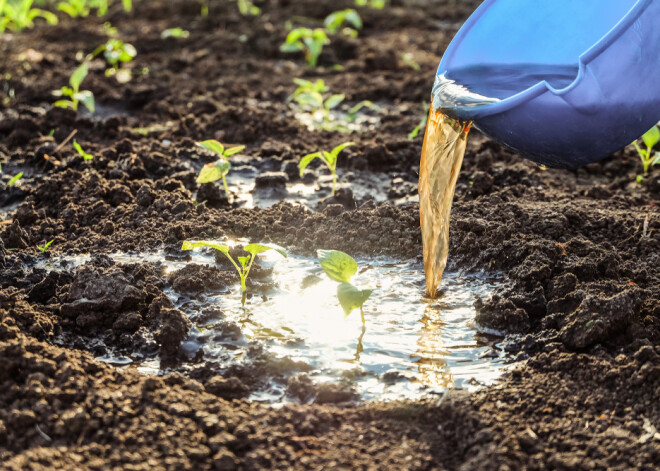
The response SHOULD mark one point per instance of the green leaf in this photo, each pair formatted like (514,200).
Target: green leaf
(351,298)
(243,261)
(334,100)
(652,137)
(86,98)
(79,75)
(190,245)
(14,179)
(214,171)
(63,104)
(335,152)
(339,266)
(256,249)
(44,248)
(174,33)
(233,150)
(656,160)
(213,146)
(306,160)
(80,151)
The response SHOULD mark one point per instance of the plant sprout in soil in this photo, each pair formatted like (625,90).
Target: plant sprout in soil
(340,267)
(86,157)
(74,93)
(18,15)
(328,158)
(217,170)
(245,262)
(651,138)
(116,52)
(44,248)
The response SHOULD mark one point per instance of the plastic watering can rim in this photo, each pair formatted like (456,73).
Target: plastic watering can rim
(541,87)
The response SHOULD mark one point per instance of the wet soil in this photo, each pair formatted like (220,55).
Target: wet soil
(579,250)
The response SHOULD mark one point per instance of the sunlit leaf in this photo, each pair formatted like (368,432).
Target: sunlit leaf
(214,171)
(213,146)
(351,298)
(652,137)
(79,75)
(339,266)
(190,245)
(233,150)
(256,249)
(306,160)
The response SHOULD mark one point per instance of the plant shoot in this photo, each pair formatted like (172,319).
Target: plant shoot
(244,264)
(341,267)
(328,158)
(74,93)
(18,15)
(334,22)
(306,40)
(217,170)
(648,158)
(81,152)
(44,248)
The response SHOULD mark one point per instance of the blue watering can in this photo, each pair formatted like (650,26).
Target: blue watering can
(562,82)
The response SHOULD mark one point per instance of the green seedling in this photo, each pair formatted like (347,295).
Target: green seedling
(334,22)
(408,59)
(352,113)
(44,248)
(648,158)
(217,170)
(75,8)
(14,179)
(421,125)
(306,40)
(18,14)
(312,97)
(341,267)
(116,52)
(74,93)
(247,7)
(375,4)
(81,152)
(244,263)
(177,33)
(328,158)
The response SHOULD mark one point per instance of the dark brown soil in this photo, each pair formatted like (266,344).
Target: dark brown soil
(579,250)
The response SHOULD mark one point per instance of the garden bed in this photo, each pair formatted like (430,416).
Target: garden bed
(118,349)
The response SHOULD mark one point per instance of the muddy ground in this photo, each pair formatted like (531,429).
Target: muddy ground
(579,250)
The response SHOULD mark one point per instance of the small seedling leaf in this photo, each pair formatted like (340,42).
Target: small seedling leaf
(213,146)
(334,101)
(190,245)
(44,248)
(79,75)
(174,33)
(243,261)
(214,171)
(339,266)
(15,178)
(656,160)
(306,160)
(234,150)
(256,249)
(86,98)
(652,137)
(80,151)
(335,152)
(351,298)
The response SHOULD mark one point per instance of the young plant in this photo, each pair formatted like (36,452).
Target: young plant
(177,33)
(334,22)
(116,52)
(217,170)
(81,152)
(14,179)
(341,267)
(310,41)
(74,93)
(328,158)
(247,7)
(18,15)
(44,248)
(648,158)
(311,97)
(74,8)
(375,4)
(422,123)
(244,263)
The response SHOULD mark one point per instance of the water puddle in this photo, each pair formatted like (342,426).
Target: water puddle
(412,346)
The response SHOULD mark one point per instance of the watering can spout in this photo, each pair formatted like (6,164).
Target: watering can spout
(563,83)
